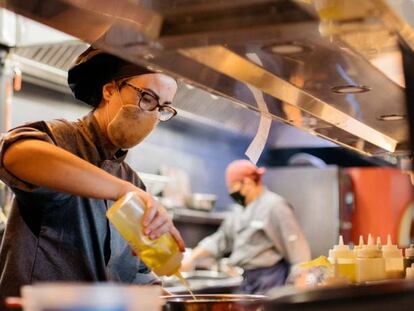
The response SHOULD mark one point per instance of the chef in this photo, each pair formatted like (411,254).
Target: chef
(65,176)
(262,236)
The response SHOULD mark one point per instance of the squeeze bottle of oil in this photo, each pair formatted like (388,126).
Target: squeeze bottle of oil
(394,260)
(343,259)
(162,255)
(370,265)
(409,272)
(379,244)
(360,244)
(409,256)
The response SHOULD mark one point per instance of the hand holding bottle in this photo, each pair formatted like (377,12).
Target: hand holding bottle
(156,220)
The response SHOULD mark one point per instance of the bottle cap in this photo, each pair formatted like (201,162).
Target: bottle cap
(409,252)
(360,244)
(379,244)
(409,272)
(340,250)
(370,250)
(390,250)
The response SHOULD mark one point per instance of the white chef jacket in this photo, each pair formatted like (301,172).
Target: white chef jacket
(260,235)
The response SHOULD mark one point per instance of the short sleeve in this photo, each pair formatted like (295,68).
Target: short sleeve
(11,137)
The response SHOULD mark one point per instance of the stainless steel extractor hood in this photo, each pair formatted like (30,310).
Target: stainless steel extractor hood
(319,66)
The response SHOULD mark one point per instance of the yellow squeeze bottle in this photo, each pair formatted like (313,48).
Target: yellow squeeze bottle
(162,255)
(343,259)
(360,244)
(394,260)
(370,265)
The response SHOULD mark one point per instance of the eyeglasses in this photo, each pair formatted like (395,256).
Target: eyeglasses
(150,102)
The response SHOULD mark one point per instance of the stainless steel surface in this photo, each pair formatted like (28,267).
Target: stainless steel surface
(201,281)
(313,205)
(345,115)
(201,201)
(199,217)
(376,296)
(204,43)
(46,65)
(195,225)
(215,302)
(19,31)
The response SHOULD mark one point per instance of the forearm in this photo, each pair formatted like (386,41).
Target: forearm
(199,252)
(189,262)
(43,164)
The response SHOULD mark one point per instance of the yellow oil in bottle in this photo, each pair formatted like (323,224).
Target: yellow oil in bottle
(185,283)
(347,270)
(343,259)
(331,9)
(162,255)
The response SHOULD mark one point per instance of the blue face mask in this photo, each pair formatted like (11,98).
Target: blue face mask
(238,197)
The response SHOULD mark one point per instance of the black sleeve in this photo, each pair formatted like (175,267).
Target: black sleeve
(38,131)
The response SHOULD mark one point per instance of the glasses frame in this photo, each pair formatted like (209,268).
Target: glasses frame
(161,107)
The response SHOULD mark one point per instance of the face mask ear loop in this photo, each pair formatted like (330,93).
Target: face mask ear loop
(107,113)
(107,105)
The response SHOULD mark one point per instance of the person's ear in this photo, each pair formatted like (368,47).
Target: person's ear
(108,90)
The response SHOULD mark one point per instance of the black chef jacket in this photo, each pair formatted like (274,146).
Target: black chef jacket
(55,236)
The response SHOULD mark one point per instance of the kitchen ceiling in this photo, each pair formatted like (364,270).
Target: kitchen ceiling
(320,65)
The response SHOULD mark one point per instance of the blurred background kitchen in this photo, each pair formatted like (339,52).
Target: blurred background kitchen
(342,171)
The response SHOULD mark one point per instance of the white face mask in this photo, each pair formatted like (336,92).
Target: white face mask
(130,125)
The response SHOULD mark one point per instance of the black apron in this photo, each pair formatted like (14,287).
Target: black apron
(260,280)
(53,236)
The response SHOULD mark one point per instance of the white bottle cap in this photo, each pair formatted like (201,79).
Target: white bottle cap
(370,250)
(390,250)
(340,250)
(379,244)
(360,244)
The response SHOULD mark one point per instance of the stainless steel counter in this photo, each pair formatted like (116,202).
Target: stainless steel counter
(198,217)
(195,225)
(204,282)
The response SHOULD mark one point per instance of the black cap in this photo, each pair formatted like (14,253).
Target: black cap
(93,69)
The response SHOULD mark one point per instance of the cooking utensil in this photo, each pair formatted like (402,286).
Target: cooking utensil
(199,277)
(222,302)
(201,201)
